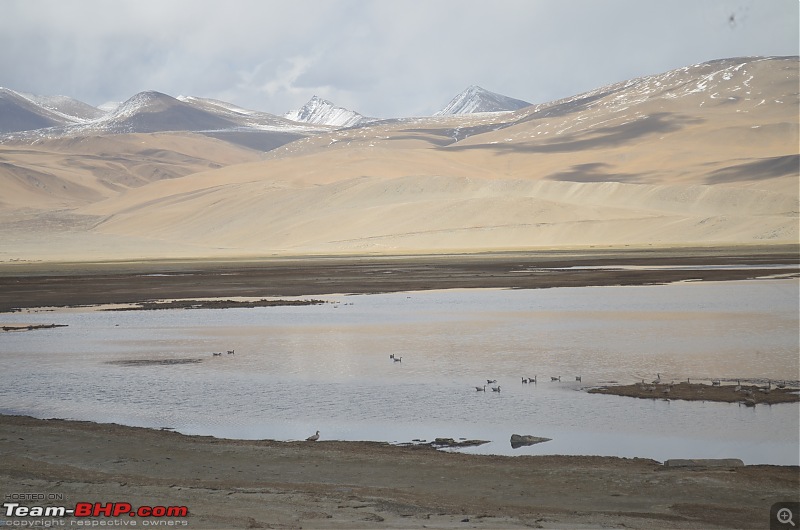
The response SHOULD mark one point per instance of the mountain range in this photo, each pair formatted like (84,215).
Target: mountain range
(706,154)
(147,112)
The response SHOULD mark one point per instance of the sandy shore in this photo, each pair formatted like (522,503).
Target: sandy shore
(330,484)
(37,284)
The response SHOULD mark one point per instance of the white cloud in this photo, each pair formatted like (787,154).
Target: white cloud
(380,58)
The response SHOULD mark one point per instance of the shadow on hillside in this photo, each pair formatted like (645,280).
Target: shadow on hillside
(765,168)
(593,172)
(602,138)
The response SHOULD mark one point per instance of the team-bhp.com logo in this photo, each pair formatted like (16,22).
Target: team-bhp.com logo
(94,509)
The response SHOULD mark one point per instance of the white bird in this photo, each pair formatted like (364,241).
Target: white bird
(313,437)
(481,389)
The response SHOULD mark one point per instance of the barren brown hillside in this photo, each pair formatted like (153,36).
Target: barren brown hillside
(704,155)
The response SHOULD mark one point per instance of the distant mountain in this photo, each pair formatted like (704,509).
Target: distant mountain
(702,155)
(67,106)
(153,111)
(476,99)
(25,112)
(322,112)
(24,117)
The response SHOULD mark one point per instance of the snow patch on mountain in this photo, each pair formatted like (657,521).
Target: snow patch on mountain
(322,112)
(69,108)
(476,99)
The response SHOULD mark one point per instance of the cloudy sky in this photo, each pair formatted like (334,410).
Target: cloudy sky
(380,58)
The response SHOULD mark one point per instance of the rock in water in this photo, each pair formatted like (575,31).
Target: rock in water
(518,440)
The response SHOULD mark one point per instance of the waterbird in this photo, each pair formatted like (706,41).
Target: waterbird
(532,379)
(524,381)
(398,359)
(215,354)
(577,378)
(490,381)
(481,389)
(496,388)
(555,378)
(231,352)
(716,382)
(391,356)
(658,379)
(313,437)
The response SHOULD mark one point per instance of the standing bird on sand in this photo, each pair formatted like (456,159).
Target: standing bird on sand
(313,437)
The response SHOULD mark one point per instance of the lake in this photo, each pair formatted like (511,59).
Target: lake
(327,367)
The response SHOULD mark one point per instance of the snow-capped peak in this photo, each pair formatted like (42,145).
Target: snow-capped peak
(322,112)
(476,99)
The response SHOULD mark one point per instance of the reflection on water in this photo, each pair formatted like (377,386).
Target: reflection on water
(327,367)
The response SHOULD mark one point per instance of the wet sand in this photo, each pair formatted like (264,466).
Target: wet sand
(38,284)
(749,395)
(330,484)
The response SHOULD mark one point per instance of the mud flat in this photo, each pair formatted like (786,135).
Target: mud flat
(29,327)
(333,484)
(749,395)
(28,285)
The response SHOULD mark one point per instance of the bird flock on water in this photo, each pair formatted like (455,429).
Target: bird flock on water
(656,384)
(525,381)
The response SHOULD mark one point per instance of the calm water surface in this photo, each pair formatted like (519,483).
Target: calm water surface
(327,368)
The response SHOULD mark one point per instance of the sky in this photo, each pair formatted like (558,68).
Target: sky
(380,58)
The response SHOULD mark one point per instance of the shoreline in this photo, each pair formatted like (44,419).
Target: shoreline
(228,483)
(32,285)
